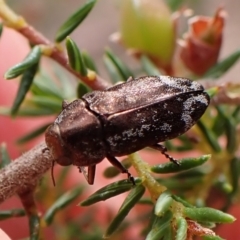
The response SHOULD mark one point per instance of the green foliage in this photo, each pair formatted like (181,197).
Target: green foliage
(113,72)
(89,62)
(75,57)
(82,89)
(1,29)
(208,215)
(34,221)
(122,69)
(223,66)
(33,134)
(12,213)
(181,229)
(63,201)
(73,22)
(172,200)
(160,227)
(132,198)
(149,67)
(4,156)
(24,86)
(212,238)
(175,4)
(184,164)
(209,136)
(109,191)
(31,60)
(163,204)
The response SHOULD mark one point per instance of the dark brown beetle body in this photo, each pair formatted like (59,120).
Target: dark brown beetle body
(124,119)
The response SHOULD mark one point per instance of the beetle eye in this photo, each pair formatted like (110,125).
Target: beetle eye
(55,144)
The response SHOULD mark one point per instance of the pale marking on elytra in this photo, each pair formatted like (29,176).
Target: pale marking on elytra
(128,134)
(178,83)
(59,118)
(202,99)
(166,127)
(188,109)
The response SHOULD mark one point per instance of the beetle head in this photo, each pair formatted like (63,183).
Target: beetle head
(56,145)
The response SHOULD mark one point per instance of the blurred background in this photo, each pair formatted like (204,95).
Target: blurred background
(92,35)
(103,21)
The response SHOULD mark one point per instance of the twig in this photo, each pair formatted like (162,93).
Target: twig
(12,20)
(24,172)
(34,37)
(29,204)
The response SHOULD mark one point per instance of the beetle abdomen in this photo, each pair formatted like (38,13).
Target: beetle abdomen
(130,131)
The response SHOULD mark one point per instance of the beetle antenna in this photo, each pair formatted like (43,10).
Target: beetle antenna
(52,174)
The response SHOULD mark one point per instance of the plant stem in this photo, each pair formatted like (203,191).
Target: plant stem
(149,181)
(24,172)
(155,189)
(12,20)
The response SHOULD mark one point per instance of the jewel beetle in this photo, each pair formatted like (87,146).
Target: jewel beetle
(124,119)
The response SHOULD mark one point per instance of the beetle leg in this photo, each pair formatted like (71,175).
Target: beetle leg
(120,167)
(90,174)
(163,150)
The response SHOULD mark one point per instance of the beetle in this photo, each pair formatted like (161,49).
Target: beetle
(124,119)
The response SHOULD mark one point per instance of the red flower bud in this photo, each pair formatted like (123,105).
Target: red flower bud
(200,48)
